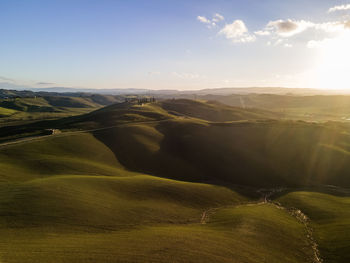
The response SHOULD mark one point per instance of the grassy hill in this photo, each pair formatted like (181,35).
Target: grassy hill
(174,181)
(122,113)
(69,199)
(330,218)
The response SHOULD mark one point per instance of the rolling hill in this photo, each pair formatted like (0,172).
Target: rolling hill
(175,181)
(65,202)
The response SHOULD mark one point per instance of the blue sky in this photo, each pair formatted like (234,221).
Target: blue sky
(172,44)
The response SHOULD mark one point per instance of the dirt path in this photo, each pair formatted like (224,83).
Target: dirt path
(63,134)
(266,194)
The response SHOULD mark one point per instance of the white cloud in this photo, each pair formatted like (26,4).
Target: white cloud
(336,26)
(339,8)
(276,32)
(237,32)
(287,28)
(262,33)
(203,19)
(234,30)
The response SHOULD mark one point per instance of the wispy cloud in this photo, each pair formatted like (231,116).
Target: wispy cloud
(262,33)
(186,75)
(44,83)
(339,8)
(217,18)
(211,22)
(6,79)
(203,19)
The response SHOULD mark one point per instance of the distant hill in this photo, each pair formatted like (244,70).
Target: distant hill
(28,105)
(181,109)
(310,107)
(167,93)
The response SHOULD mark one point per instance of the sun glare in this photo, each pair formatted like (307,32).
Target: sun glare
(334,67)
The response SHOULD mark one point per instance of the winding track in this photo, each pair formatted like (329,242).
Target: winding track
(68,133)
(294,212)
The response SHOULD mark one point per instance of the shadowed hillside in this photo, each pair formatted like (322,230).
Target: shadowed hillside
(260,152)
(257,153)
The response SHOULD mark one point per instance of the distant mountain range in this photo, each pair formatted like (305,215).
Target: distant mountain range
(178,93)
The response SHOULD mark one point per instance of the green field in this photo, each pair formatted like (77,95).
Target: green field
(175,181)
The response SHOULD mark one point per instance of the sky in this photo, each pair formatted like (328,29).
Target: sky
(175,44)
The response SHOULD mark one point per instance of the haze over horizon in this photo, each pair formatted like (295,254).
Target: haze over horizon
(183,45)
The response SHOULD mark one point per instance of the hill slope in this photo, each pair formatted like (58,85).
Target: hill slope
(165,182)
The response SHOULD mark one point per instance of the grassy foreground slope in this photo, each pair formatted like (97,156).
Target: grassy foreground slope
(330,218)
(247,234)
